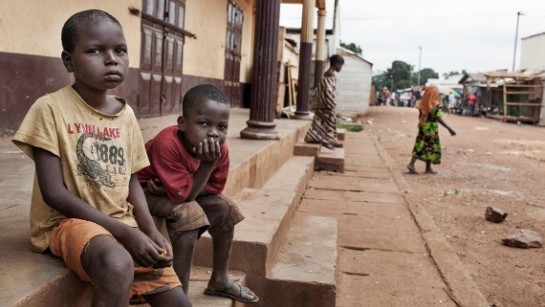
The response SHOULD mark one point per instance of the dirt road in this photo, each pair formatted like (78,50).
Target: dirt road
(488,163)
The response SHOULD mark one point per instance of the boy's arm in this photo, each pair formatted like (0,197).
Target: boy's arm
(145,220)
(209,152)
(55,195)
(200,178)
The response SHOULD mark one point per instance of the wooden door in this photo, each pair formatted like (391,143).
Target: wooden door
(160,81)
(232,53)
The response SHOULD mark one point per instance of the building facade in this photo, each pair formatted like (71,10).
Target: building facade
(173,46)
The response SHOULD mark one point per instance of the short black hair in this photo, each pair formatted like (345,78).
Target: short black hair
(69,33)
(336,59)
(204,90)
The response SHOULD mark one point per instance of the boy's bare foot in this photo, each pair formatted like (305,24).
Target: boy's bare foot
(411,169)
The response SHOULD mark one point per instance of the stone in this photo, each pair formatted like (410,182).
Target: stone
(495,215)
(523,238)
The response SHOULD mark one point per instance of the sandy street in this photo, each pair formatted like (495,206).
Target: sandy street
(488,163)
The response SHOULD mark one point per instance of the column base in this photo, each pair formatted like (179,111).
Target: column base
(258,130)
(302,115)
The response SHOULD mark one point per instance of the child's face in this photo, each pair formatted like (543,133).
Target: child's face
(99,60)
(206,119)
(338,67)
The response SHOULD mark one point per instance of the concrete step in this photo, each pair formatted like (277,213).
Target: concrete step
(330,160)
(66,289)
(304,272)
(326,159)
(199,281)
(269,212)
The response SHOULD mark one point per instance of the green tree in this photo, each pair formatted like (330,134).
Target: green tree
(353,47)
(380,81)
(425,74)
(400,75)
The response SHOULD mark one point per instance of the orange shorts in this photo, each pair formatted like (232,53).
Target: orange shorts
(69,239)
(215,213)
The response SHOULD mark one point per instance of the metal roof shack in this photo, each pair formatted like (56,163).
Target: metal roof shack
(518,96)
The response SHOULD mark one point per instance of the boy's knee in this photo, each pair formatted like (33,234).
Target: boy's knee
(186,217)
(108,260)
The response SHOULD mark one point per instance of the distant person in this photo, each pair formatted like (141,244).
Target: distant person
(387,96)
(472,99)
(414,97)
(184,184)
(451,102)
(323,129)
(88,207)
(427,147)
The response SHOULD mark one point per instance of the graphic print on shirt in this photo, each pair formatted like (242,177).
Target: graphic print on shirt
(101,161)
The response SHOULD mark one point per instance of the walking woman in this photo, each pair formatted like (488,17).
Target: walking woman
(427,146)
(324,124)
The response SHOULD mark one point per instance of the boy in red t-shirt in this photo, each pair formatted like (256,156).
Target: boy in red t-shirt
(183,184)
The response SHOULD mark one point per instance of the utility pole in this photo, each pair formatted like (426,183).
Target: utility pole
(419,61)
(516,40)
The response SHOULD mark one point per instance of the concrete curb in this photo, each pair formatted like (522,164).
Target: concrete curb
(461,287)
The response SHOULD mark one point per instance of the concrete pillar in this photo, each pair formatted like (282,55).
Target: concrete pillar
(320,48)
(305,60)
(264,77)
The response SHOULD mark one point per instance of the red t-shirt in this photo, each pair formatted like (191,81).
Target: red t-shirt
(174,166)
(472,98)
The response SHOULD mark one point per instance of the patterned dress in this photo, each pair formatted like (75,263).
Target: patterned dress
(427,146)
(324,123)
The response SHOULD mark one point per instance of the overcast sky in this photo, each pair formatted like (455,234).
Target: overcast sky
(475,35)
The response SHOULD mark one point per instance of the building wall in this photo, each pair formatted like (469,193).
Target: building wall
(30,49)
(34,27)
(204,56)
(353,85)
(532,52)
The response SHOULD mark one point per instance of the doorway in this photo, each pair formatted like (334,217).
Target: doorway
(232,53)
(160,78)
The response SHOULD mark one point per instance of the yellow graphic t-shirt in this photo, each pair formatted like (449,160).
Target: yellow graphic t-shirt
(98,153)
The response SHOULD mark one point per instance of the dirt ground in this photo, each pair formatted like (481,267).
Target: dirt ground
(488,163)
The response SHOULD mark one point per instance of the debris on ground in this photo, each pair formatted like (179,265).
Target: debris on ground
(523,238)
(495,215)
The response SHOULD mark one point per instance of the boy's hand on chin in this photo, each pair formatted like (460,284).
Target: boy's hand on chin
(208,150)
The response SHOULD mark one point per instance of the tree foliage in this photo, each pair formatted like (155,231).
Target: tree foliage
(427,73)
(352,47)
(394,78)
(401,75)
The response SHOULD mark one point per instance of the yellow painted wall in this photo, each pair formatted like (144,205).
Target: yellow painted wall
(34,26)
(205,56)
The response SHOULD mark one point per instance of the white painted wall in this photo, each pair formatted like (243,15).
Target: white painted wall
(353,84)
(532,52)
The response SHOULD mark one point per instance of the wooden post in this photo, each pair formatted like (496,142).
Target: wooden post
(504,101)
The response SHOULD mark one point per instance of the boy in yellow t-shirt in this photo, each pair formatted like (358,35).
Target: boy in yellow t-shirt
(87,205)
